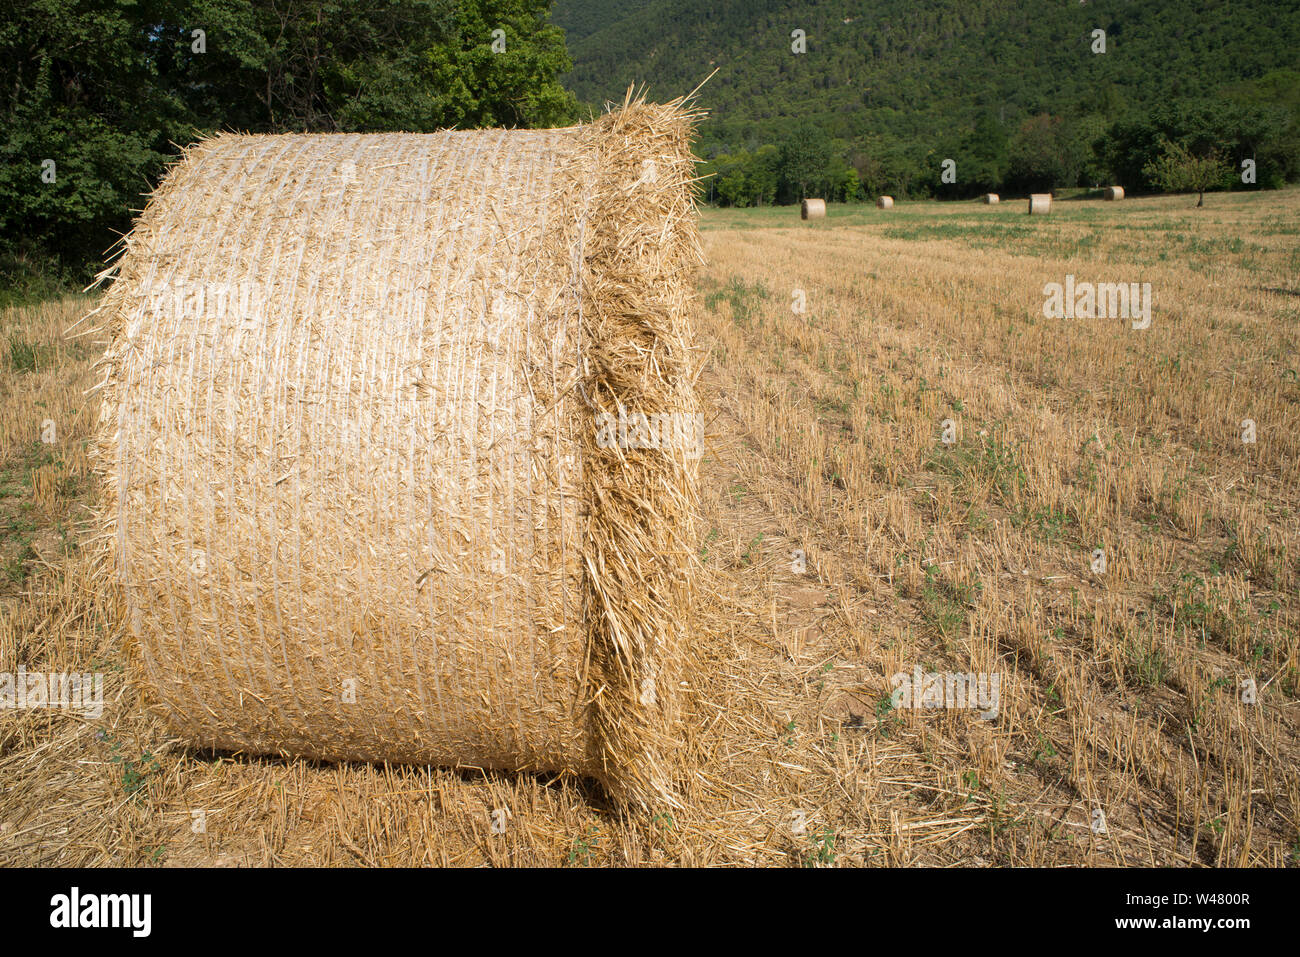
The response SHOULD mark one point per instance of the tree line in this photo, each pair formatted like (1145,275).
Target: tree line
(1248,138)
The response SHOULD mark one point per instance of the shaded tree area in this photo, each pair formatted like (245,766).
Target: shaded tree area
(96,96)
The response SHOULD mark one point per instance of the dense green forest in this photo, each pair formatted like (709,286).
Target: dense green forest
(1017,93)
(97,95)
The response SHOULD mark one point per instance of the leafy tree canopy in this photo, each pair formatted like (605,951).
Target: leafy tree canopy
(106,92)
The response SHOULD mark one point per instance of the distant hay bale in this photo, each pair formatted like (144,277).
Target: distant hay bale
(1114,192)
(812,209)
(884,202)
(400,446)
(1040,203)
(990,199)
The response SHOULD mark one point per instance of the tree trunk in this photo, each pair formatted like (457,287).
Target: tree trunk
(1200,199)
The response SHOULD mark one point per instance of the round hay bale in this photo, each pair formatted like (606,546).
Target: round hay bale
(1114,192)
(400,446)
(990,199)
(884,202)
(812,209)
(1040,203)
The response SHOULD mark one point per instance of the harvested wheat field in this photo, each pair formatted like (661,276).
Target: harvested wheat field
(909,469)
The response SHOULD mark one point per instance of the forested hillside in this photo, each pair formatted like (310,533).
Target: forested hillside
(914,67)
(898,85)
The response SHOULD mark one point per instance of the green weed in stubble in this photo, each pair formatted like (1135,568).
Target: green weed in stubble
(135,772)
(24,356)
(20,566)
(822,852)
(1145,662)
(1050,524)
(743,298)
(704,549)
(582,846)
(887,719)
(996,462)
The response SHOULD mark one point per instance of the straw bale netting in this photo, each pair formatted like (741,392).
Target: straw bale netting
(362,508)
(1040,203)
(885,202)
(1114,192)
(990,199)
(812,209)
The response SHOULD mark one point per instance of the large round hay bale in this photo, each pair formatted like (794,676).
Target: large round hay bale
(990,199)
(1114,192)
(884,202)
(1040,203)
(400,445)
(812,209)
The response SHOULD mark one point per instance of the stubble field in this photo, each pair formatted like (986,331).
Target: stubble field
(1147,708)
